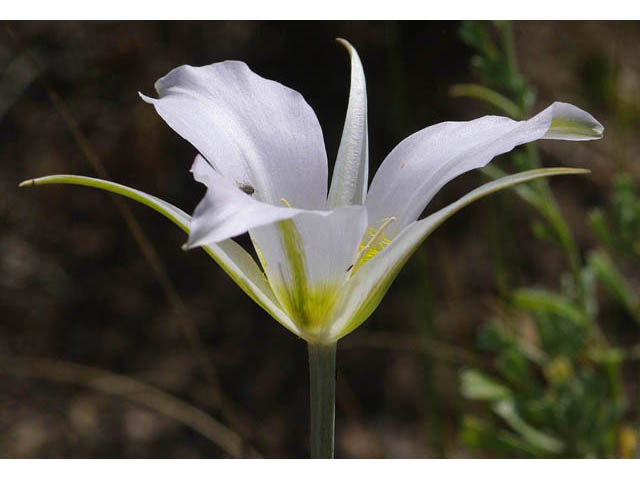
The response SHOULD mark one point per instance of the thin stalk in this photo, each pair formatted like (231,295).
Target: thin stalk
(322,381)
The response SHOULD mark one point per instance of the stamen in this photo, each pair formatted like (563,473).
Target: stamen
(375,245)
(261,259)
(286,204)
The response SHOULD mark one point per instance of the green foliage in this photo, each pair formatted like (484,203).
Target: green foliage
(495,61)
(619,227)
(555,387)
(614,283)
(558,402)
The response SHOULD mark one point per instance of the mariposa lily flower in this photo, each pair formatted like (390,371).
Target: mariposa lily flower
(325,259)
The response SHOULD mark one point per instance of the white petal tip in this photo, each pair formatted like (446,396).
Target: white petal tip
(28,183)
(572,123)
(146,99)
(598,130)
(345,44)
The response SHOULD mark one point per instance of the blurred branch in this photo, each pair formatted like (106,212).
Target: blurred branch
(135,391)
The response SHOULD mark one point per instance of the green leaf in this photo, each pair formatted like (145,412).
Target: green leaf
(507,411)
(480,92)
(478,35)
(598,223)
(541,231)
(478,386)
(525,192)
(543,301)
(172,212)
(543,201)
(481,434)
(231,257)
(612,280)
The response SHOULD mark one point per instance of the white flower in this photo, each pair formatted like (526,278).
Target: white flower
(327,259)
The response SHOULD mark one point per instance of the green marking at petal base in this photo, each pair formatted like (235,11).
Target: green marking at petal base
(309,306)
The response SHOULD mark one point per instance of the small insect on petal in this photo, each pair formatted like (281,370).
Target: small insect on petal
(246,188)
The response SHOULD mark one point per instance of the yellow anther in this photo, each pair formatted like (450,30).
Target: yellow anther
(374,245)
(286,204)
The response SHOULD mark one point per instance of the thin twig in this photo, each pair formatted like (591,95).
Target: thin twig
(136,391)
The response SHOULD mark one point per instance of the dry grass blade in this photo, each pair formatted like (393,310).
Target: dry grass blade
(136,391)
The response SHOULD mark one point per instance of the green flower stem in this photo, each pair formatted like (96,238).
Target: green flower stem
(322,380)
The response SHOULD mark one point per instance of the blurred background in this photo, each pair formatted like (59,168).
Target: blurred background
(513,332)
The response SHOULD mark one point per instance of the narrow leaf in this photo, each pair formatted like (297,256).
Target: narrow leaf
(543,301)
(477,386)
(488,95)
(613,281)
(506,409)
(231,257)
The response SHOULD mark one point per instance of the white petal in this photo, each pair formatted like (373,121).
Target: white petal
(307,260)
(253,130)
(351,172)
(424,162)
(364,291)
(226,211)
